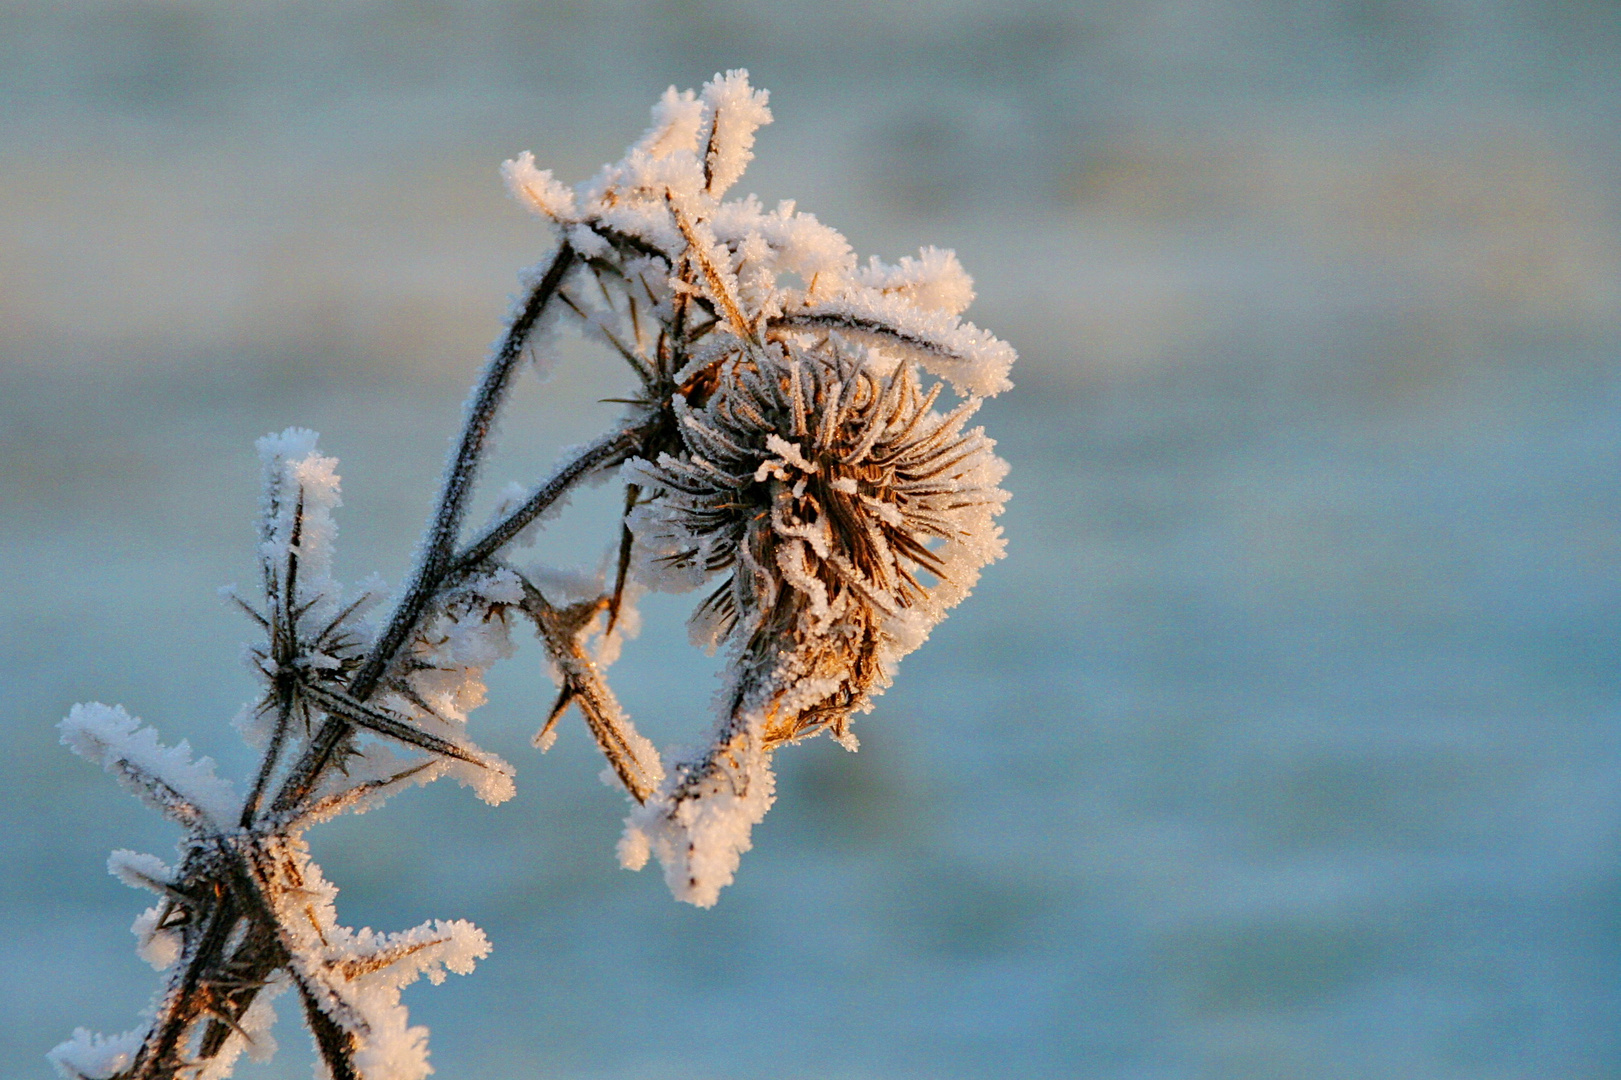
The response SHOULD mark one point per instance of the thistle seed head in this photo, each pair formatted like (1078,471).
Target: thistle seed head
(844,511)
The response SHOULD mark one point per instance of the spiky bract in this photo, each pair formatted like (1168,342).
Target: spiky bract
(821,485)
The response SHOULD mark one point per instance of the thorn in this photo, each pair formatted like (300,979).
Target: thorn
(251,611)
(564,697)
(220,1016)
(626,540)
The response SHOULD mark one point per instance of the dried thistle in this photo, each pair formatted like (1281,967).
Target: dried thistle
(779,437)
(815,482)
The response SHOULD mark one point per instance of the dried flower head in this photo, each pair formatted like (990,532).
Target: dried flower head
(846,515)
(818,485)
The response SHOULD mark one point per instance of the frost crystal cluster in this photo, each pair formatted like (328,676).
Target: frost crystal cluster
(784,450)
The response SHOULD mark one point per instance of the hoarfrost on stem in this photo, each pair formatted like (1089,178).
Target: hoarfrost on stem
(784,446)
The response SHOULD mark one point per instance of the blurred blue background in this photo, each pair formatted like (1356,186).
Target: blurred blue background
(1285,742)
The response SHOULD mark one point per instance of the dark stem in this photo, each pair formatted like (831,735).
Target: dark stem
(593,457)
(284,649)
(332,1042)
(284,717)
(828,320)
(160,1057)
(459,479)
(440,541)
(244,976)
(626,540)
(289,600)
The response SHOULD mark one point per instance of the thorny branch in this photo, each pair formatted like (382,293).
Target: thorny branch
(779,448)
(443,531)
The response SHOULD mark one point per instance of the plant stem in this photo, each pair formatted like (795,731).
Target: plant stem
(588,460)
(440,541)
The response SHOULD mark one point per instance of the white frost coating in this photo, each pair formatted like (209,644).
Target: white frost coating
(491,779)
(799,243)
(457,645)
(633,847)
(607,647)
(791,561)
(159,947)
(500,586)
(571,616)
(973,361)
(536,189)
(138,870)
(736,111)
(289,444)
(676,117)
(357,976)
(587,241)
(790,455)
(715,259)
(564,585)
(700,831)
(164,777)
(88,1056)
(387,1045)
(298,478)
(934,281)
(464,646)
(657,193)
(376,764)
(313,640)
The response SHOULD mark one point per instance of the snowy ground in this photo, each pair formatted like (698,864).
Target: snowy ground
(1285,743)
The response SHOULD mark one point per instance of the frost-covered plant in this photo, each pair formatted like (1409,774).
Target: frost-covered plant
(781,448)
